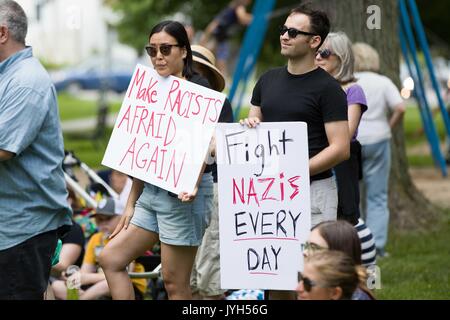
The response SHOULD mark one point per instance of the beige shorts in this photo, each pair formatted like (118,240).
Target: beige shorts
(324,201)
(205,277)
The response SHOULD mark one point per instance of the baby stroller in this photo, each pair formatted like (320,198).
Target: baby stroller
(91,188)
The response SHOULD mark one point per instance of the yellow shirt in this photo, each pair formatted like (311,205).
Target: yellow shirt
(93,249)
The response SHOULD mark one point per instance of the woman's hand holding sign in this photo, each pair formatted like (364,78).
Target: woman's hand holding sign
(188,197)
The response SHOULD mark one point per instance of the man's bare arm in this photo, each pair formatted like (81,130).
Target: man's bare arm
(337,151)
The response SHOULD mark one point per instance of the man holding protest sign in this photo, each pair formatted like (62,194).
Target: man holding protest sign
(303,92)
(156,214)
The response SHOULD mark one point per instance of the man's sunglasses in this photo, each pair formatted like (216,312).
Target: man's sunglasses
(165,49)
(307,283)
(325,53)
(292,32)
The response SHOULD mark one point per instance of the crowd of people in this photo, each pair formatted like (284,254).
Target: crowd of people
(332,85)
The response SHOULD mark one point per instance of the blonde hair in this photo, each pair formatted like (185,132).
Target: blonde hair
(341,46)
(337,269)
(366,57)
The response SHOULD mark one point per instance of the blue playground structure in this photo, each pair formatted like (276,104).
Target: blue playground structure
(410,22)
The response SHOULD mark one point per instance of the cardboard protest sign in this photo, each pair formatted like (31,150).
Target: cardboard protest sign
(163,130)
(264,204)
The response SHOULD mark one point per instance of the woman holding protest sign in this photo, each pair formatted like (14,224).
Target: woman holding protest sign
(152,213)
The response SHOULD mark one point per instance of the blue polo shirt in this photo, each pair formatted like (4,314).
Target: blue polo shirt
(33,195)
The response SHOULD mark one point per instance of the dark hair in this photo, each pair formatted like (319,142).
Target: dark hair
(340,235)
(177,30)
(320,24)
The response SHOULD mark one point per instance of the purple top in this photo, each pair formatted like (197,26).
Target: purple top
(355,95)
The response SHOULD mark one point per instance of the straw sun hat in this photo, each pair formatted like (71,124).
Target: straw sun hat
(205,57)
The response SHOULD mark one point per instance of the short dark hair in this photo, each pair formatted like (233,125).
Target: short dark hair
(177,30)
(340,235)
(320,24)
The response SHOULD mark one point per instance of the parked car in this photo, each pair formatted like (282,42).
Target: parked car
(94,75)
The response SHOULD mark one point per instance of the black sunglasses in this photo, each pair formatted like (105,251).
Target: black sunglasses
(325,53)
(292,32)
(307,283)
(165,49)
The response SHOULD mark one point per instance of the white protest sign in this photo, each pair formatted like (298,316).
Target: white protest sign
(163,130)
(264,204)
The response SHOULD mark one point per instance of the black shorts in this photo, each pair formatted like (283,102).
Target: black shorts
(25,268)
(347,178)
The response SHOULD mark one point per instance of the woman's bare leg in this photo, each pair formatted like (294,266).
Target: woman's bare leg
(129,244)
(176,263)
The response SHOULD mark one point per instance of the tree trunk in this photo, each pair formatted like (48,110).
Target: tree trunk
(408,207)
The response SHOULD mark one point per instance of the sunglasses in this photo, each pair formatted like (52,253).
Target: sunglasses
(308,284)
(165,49)
(292,32)
(325,53)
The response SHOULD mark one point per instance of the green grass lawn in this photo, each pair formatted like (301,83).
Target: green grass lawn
(71,108)
(88,150)
(418,266)
(414,133)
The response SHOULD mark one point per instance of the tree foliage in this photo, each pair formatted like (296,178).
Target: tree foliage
(137,17)
(434,14)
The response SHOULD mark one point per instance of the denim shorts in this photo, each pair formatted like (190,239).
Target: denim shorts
(177,223)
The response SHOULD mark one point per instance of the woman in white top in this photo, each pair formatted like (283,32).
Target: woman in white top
(374,135)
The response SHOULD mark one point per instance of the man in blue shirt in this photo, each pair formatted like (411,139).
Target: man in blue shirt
(33,196)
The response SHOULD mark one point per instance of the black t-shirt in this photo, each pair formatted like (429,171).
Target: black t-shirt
(314,97)
(75,236)
(226,115)
(200,80)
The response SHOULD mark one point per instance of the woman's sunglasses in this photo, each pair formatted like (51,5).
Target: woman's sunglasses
(292,32)
(325,53)
(307,283)
(165,49)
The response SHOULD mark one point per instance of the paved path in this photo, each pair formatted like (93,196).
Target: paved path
(85,123)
